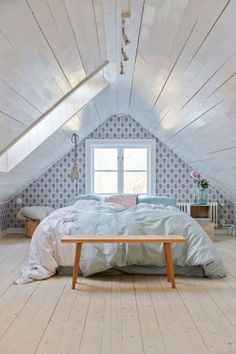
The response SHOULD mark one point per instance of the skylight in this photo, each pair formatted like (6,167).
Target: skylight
(52,120)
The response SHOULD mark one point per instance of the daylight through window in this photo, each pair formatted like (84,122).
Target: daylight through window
(120,167)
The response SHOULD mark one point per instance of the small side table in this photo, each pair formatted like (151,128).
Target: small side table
(201,214)
(209,228)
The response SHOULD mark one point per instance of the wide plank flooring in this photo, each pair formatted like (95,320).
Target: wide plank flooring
(119,314)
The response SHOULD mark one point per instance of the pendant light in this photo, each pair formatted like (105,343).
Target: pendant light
(124,41)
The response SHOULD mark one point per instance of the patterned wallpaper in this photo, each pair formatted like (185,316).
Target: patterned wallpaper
(234,214)
(4,216)
(54,188)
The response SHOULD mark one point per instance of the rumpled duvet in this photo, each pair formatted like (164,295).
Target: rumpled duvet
(99,218)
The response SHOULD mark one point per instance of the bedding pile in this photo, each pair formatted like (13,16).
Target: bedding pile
(96,217)
(34,213)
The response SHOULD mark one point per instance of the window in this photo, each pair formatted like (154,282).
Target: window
(120,166)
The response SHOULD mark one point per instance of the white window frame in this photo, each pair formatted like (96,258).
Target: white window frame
(150,144)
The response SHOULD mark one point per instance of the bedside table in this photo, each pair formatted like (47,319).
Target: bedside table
(208,227)
(198,211)
(201,214)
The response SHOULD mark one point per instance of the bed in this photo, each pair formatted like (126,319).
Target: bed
(197,256)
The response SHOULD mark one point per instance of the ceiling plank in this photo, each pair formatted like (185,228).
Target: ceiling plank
(196,80)
(155,50)
(51,17)
(87,23)
(184,70)
(19,77)
(111,73)
(9,130)
(15,106)
(31,43)
(81,13)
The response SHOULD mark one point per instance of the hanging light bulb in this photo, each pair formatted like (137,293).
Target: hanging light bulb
(122,68)
(125,37)
(124,55)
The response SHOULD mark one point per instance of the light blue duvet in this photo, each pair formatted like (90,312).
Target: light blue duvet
(144,219)
(47,253)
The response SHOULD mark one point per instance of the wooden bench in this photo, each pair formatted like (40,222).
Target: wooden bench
(167,240)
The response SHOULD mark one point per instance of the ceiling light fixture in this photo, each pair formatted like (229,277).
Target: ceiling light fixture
(125,37)
(122,68)
(124,55)
(124,41)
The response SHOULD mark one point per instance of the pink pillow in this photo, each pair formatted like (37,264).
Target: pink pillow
(126,200)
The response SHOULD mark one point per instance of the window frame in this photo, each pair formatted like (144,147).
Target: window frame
(120,144)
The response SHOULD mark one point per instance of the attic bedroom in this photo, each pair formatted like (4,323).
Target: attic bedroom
(117,176)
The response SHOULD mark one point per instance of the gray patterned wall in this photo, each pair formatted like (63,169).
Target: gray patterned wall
(55,189)
(4,216)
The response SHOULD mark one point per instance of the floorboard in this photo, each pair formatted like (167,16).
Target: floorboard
(119,314)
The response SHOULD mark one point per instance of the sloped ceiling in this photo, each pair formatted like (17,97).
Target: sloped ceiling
(179,82)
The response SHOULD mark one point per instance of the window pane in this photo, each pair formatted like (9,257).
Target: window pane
(105,159)
(135,159)
(105,182)
(135,182)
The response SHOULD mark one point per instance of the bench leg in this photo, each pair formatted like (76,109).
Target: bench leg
(76,264)
(169,264)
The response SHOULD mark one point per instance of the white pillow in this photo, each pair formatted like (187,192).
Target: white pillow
(34,212)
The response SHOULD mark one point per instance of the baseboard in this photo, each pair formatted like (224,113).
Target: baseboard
(12,230)
(3,233)
(222,232)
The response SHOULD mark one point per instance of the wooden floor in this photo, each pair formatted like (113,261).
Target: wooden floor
(120,314)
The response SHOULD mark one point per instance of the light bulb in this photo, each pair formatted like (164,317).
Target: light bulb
(125,37)
(124,55)
(121,68)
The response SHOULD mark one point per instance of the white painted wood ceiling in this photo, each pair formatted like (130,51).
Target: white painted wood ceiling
(179,82)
